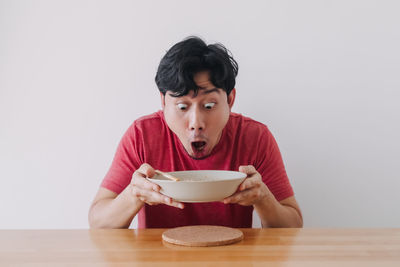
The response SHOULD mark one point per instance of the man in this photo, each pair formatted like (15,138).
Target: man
(195,130)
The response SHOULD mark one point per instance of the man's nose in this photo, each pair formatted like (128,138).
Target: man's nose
(197,122)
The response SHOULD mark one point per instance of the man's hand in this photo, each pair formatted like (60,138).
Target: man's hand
(147,191)
(251,191)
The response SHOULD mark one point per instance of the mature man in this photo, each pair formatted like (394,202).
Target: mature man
(196,130)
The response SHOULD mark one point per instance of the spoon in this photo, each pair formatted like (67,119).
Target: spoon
(167,175)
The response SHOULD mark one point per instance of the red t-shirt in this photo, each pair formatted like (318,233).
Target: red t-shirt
(243,142)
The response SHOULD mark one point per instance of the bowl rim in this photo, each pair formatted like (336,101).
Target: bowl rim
(244,175)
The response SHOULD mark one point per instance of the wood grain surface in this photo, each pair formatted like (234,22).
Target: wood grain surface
(144,247)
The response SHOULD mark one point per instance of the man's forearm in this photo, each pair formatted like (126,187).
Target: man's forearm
(274,214)
(115,213)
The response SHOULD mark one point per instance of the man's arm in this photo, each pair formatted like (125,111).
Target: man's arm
(110,210)
(272,213)
(285,213)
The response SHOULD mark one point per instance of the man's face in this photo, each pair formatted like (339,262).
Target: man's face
(198,121)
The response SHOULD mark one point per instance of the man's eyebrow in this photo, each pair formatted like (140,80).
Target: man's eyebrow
(202,91)
(208,91)
(172,95)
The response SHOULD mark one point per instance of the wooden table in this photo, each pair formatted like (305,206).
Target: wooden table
(260,247)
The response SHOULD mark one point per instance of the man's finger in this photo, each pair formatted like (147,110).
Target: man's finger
(233,198)
(170,202)
(158,198)
(151,197)
(245,196)
(176,204)
(145,184)
(249,169)
(248,183)
(146,170)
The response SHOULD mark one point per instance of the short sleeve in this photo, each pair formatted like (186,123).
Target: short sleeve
(271,167)
(126,161)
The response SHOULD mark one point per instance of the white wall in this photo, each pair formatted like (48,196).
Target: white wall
(323,75)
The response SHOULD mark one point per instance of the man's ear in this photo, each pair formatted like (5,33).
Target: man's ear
(162,100)
(231,98)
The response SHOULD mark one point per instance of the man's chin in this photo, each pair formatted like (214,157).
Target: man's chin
(199,154)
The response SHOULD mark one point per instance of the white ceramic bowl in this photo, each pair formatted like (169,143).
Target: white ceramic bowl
(200,186)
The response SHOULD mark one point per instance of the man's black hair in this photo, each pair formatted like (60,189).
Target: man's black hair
(190,56)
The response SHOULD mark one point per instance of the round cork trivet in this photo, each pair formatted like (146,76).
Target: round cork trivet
(202,235)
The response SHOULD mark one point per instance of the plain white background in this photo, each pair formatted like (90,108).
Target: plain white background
(323,75)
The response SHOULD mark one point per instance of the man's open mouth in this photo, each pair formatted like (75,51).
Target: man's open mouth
(198,145)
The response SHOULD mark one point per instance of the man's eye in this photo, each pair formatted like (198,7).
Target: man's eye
(182,106)
(209,105)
